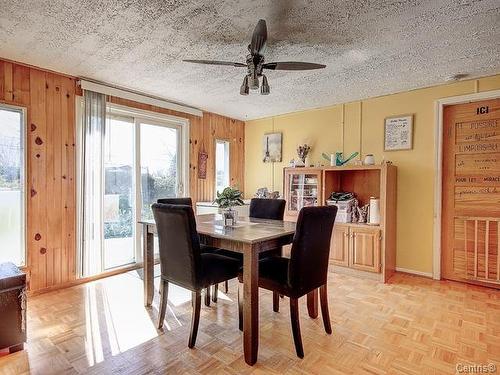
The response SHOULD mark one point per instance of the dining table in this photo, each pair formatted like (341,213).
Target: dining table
(249,236)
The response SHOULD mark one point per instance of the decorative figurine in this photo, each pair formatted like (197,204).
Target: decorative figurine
(354,212)
(264,193)
(363,213)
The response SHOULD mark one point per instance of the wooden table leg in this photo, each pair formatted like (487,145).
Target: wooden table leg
(250,304)
(148,264)
(312,303)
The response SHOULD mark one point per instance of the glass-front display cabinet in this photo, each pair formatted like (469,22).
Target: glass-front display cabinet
(302,188)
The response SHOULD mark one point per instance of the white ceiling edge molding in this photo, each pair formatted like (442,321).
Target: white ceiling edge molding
(130,95)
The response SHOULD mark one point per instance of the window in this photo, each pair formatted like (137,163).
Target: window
(221,165)
(12,169)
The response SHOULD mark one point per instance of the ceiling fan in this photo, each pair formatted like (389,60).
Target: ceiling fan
(255,63)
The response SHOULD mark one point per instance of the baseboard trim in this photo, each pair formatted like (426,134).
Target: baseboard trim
(414,272)
(83,280)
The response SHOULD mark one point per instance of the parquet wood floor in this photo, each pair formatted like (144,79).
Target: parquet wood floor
(412,325)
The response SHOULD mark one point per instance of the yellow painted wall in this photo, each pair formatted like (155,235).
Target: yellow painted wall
(359,126)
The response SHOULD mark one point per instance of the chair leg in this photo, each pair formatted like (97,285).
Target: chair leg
(195,317)
(294,316)
(163,302)
(207,296)
(323,295)
(215,292)
(240,307)
(276,302)
(226,286)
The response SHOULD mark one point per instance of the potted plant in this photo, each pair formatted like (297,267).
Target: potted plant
(226,200)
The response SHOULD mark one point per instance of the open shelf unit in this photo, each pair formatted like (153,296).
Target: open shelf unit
(363,249)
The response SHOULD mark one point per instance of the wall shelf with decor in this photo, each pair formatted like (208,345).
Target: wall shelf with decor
(366,250)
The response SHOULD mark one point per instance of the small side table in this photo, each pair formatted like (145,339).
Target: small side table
(12,307)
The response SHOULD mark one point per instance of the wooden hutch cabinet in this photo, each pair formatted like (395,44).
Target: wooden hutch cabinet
(362,249)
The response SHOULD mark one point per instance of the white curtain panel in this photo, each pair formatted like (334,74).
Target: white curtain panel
(94,120)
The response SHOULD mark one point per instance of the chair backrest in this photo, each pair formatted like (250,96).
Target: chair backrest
(308,267)
(262,208)
(179,244)
(183,201)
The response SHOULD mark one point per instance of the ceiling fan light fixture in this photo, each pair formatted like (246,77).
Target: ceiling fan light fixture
(264,89)
(254,82)
(255,64)
(244,86)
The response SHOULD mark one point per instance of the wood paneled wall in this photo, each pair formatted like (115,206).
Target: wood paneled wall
(49,99)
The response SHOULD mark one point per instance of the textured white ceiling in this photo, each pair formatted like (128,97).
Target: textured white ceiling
(370,48)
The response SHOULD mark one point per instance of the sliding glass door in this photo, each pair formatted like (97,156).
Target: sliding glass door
(159,165)
(12,166)
(119,192)
(141,162)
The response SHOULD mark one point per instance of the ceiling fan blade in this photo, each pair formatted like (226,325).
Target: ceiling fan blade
(215,62)
(292,65)
(259,38)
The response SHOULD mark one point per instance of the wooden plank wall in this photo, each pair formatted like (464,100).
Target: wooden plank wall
(49,99)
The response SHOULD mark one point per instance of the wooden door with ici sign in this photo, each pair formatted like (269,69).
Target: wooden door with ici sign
(471,193)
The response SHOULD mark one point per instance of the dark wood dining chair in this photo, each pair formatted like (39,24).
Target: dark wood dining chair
(260,208)
(305,270)
(187,201)
(182,261)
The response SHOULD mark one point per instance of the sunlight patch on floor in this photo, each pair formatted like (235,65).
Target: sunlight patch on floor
(113,320)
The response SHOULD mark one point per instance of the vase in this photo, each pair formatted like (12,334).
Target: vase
(369,159)
(229,217)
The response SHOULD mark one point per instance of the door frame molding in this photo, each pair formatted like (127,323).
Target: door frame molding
(438,159)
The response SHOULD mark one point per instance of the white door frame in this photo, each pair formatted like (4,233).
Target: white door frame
(181,124)
(438,160)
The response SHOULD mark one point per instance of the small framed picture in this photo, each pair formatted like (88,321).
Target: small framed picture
(398,133)
(271,148)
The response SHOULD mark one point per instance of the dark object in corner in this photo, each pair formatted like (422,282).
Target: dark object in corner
(12,307)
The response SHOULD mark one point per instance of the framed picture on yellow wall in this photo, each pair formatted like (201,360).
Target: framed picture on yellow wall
(271,148)
(398,133)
